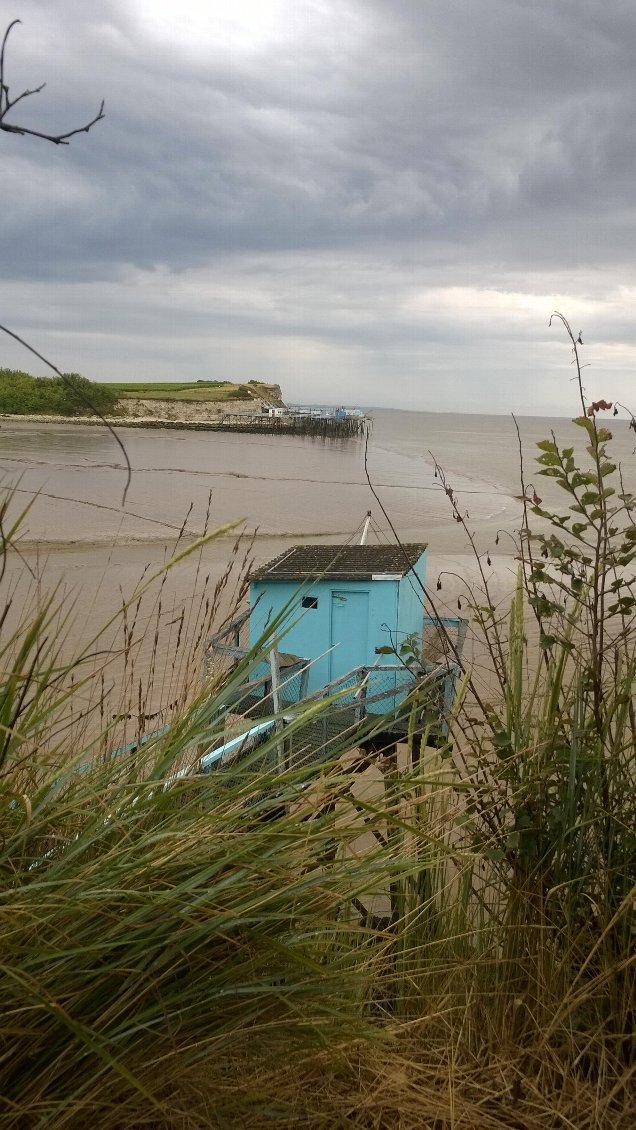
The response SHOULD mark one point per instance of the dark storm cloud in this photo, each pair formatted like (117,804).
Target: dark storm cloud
(451,122)
(398,148)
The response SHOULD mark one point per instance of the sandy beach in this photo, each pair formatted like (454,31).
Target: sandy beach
(79,541)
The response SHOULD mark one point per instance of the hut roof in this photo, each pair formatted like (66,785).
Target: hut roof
(340,562)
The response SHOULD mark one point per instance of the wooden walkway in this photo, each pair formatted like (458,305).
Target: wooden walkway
(322,427)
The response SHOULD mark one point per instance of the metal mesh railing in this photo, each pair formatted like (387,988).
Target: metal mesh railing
(379,697)
(443,639)
(291,687)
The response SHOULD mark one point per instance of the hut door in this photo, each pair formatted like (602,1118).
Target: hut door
(349,632)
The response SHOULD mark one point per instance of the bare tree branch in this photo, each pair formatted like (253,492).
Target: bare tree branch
(7,103)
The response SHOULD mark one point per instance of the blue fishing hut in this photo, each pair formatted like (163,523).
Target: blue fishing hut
(343,609)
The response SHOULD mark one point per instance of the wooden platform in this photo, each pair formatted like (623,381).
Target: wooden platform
(322,427)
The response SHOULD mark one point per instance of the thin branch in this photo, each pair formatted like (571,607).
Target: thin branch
(4,43)
(575,342)
(85,400)
(495,649)
(7,104)
(525,542)
(382,508)
(25,94)
(56,139)
(426,598)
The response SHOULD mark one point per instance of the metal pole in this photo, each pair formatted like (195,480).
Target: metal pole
(363,539)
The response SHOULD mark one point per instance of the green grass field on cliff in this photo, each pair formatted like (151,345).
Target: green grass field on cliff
(193,390)
(74,395)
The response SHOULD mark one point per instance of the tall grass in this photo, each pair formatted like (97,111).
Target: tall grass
(397,936)
(160,936)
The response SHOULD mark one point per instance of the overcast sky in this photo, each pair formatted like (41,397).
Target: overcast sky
(375,202)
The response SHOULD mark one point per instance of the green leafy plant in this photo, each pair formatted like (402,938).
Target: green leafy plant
(549,755)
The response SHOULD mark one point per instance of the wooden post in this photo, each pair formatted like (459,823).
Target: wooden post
(275,670)
(361,696)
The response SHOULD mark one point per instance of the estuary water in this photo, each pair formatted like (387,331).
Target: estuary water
(281,486)
(281,489)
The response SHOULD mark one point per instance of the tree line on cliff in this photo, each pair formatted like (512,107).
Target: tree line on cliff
(24,395)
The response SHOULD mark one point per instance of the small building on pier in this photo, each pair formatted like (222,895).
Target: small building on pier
(342,607)
(352,625)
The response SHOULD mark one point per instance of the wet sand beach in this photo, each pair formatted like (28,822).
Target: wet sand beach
(77,537)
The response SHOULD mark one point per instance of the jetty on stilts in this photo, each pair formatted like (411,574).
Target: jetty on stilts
(330,423)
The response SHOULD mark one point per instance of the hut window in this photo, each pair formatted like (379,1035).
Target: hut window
(310,602)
